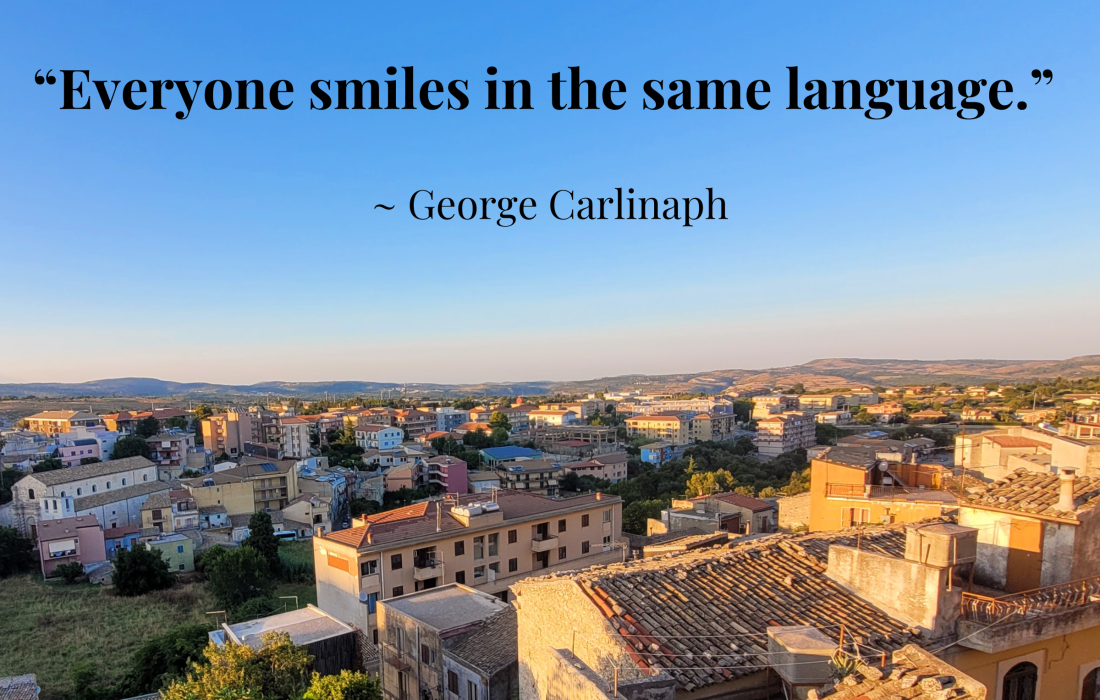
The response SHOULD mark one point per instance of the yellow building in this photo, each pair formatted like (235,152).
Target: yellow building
(233,493)
(675,429)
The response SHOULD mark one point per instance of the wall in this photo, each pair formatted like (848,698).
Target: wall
(237,498)
(121,513)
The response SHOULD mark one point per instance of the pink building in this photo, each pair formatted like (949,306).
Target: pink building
(448,472)
(65,540)
(72,451)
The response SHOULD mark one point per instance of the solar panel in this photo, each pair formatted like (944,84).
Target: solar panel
(268,467)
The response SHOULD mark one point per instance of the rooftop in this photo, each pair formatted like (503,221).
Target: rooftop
(88,471)
(1014,441)
(1035,493)
(510,452)
(447,608)
(756,505)
(859,456)
(490,646)
(19,687)
(913,674)
(305,626)
(62,415)
(64,527)
(102,498)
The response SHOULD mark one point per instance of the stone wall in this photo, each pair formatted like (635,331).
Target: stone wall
(794,511)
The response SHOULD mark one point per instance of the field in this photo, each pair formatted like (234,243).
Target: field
(48,628)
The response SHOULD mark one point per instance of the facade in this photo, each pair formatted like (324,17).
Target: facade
(233,495)
(785,432)
(765,406)
(447,418)
(611,467)
(820,403)
(227,433)
(448,642)
(541,476)
(721,512)
(674,429)
(308,514)
(67,540)
(449,473)
(298,432)
(546,418)
(998,453)
(834,417)
(73,452)
(178,550)
(482,482)
(118,507)
(170,511)
(657,452)
(274,482)
(169,450)
(54,423)
(378,437)
(471,541)
(713,427)
(415,422)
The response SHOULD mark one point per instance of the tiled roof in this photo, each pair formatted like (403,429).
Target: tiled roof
(157,500)
(419,520)
(913,674)
(255,466)
(102,498)
(674,612)
(210,510)
(1036,493)
(491,646)
(741,501)
(64,527)
(1013,441)
(19,687)
(61,415)
(852,456)
(87,471)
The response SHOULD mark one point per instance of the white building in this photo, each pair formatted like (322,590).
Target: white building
(785,432)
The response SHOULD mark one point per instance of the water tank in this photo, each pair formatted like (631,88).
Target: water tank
(490,507)
(941,544)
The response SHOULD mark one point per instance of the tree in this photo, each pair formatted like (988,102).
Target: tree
(278,670)
(826,433)
(141,570)
(349,685)
(261,537)
(15,552)
(477,439)
(131,446)
(706,483)
(203,411)
(190,473)
(177,422)
(8,477)
(89,460)
(47,465)
(798,388)
(863,417)
(499,420)
(147,427)
(71,571)
(163,659)
(636,515)
(499,436)
(239,575)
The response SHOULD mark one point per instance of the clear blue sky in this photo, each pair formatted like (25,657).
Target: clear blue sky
(243,246)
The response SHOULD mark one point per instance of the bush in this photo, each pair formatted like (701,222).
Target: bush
(71,572)
(277,671)
(238,576)
(140,571)
(206,559)
(261,537)
(349,685)
(131,446)
(16,554)
(163,659)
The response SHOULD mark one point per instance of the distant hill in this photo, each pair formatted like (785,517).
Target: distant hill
(818,374)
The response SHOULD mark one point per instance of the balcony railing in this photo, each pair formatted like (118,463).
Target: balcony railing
(543,543)
(1038,602)
(872,491)
(426,569)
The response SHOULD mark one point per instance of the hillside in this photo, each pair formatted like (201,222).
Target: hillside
(817,374)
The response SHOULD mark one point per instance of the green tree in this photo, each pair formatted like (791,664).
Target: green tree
(203,411)
(278,670)
(826,433)
(477,439)
(71,572)
(8,477)
(163,659)
(15,552)
(177,422)
(238,576)
(349,685)
(140,570)
(261,537)
(863,417)
(499,437)
(47,465)
(499,420)
(636,515)
(89,460)
(147,427)
(798,388)
(131,446)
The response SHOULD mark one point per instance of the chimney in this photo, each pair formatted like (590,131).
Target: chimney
(1065,490)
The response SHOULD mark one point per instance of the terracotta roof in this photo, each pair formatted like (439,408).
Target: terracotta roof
(418,520)
(114,533)
(87,471)
(491,646)
(1013,441)
(673,611)
(742,501)
(1035,493)
(913,674)
(61,415)
(102,498)
(371,428)
(157,500)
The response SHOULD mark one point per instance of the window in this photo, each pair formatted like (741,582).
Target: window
(181,567)
(479,572)
(607,515)
(607,539)
(495,567)
(561,525)
(145,477)
(371,602)
(561,552)
(368,568)
(398,590)
(395,562)
(179,549)
(584,520)
(425,654)
(585,547)
(513,536)
(124,482)
(460,577)
(513,565)
(479,547)
(78,492)
(471,690)
(460,548)
(93,488)
(494,545)
(452,682)
(1020,682)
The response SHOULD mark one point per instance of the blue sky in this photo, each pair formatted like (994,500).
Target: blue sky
(243,246)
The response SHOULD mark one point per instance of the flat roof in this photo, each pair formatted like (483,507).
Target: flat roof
(305,626)
(447,607)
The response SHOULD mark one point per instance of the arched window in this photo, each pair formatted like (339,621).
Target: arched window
(79,491)
(30,494)
(62,494)
(1090,689)
(93,488)
(124,482)
(1020,681)
(145,477)
(108,484)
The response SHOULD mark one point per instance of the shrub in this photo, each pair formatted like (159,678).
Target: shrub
(141,570)
(15,552)
(238,576)
(71,572)
(349,685)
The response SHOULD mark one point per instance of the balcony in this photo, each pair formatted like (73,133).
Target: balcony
(888,493)
(430,568)
(370,582)
(544,543)
(993,625)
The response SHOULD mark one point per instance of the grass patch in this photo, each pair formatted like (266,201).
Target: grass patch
(50,628)
(297,552)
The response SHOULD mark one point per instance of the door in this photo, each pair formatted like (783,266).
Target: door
(1020,682)
(1025,555)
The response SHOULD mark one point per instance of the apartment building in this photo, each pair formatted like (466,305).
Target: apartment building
(728,512)
(713,426)
(125,422)
(672,428)
(998,453)
(611,467)
(820,403)
(226,433)
(448,418)
(518,416)
(541,476)
(665,406)
(540,418)
(297,435)
(274,482)
(221,496)
(415,422)
(169,450)
(70,540)
(370,436)
(73,452)
(54,423)
(448,642)
(785,432)
(170,511)
(765,406)
(470,540)
(448,473)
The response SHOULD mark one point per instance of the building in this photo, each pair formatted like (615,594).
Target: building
(332,644)
(448,473)
(307,515)
(73,452)
(610,467)
(720,512)
(518,416)
(541,476)
(119,538)
(540,418)
(448,642)
(672,428)
(820,403)
(657,452)
(54,423)
(226,433)
(378,437)
(176,549)
(927,416)
(274,482)
(852,486)
(68,540)
(118,507)
(232,494)
(23,687)
(765,406)
(977,415)
(330,484)
(470,540)
(482,482)
(713,427)
(495,456)
(125,422)
(998,453)
(834,417)
(74,482)
(884,412)
(298,435)
(785,432)
(170,511)
(448,418)
(169,450)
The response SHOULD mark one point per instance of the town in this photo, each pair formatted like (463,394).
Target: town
(763,541)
